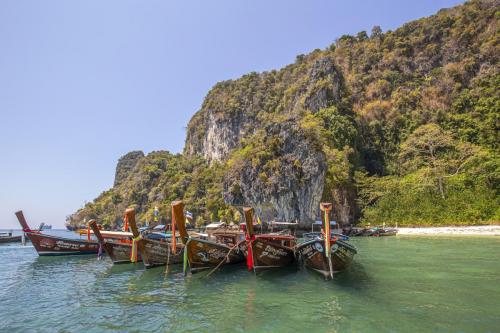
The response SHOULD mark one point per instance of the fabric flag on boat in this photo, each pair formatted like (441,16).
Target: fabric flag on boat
(133,251)
(155,214)
(189,217)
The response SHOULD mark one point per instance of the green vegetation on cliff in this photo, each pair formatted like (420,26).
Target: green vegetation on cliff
(398,126)
(156,180)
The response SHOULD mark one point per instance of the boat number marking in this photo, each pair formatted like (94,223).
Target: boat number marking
(318,247)
(273,252)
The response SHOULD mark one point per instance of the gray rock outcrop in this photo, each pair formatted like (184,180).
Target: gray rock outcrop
(287,187)
(125,165)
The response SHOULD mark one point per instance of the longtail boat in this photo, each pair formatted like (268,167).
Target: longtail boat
(154,252)
(327,253)
(120,252)
(267,250)
(49,245)
(202,254)
(376,232)
(383,231)
(6,237)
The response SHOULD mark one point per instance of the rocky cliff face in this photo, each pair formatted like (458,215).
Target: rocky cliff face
(270,104)
(235,109)
(125,165)
(287,183)
(283,140)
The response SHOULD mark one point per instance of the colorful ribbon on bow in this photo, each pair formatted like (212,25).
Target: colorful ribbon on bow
(185,262)
(327,234)
(249,241)
(133,252)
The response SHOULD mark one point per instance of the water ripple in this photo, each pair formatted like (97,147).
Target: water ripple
(396,284)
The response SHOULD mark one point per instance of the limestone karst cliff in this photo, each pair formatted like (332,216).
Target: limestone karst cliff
(126,165)
(338,125)
(270,106)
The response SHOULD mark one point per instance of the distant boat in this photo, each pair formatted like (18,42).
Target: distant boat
(44,226)
(376,232)
(6,237)
(71,228)
(383,231)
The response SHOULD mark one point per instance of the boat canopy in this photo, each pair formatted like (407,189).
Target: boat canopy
(321,223)
(108,234)
(214,225)
(158,235)
(283,223)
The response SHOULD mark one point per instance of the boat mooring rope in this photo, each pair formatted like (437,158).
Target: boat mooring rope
(226,257)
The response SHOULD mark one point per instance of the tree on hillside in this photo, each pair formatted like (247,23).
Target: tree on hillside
(435,154)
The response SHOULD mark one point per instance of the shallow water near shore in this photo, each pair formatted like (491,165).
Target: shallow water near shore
(397,284)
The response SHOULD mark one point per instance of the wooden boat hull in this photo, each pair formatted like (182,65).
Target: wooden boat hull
(154,252)
(119,252)
(267,254)
(157,253)
(312,254)
(10,239)
(203,254)
(48,245)
(382,233)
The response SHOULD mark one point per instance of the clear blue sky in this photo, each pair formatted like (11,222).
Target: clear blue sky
(84,82)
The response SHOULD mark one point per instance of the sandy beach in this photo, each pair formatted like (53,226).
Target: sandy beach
(484,230)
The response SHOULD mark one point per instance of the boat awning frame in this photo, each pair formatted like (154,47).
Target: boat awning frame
(321,223)
(290,224)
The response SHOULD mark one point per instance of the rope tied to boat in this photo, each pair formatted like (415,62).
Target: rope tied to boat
(133,252)
(226,257)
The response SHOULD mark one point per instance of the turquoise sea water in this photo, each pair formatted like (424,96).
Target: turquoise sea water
(397,284)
